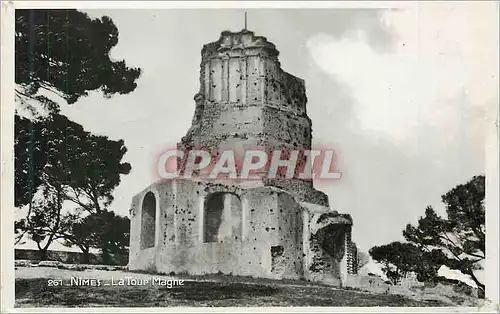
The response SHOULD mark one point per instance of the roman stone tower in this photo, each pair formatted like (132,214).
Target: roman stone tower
(274,228)
(246,100)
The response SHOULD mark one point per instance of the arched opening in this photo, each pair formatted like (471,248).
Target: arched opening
(331,240)
(328,247)
(148,221)
(222,217)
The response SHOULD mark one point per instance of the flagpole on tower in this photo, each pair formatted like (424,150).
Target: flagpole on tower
(245,20)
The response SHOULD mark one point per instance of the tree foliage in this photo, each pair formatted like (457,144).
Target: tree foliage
(103,230)
(60,153)
(457,240)
(29,159)
(43,219)
(67,53)
(461,235)
(61,158)
(399,259)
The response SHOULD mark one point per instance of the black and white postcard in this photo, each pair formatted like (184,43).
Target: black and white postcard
(237,156)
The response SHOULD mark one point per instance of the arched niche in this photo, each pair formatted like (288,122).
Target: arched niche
(222,217)
(148,221)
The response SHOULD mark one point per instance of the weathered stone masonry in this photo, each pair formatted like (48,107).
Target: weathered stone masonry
(271,228)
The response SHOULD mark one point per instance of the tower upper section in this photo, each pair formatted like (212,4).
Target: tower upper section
(247,101)
(244,68)
(245,94)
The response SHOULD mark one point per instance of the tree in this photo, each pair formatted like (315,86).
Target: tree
(397,259)
(91,186)
(460,236)
(102,230)
(53,151)
(114,236)
(42,152)
(29,159)
(70,164)
(42,221)
(65,52)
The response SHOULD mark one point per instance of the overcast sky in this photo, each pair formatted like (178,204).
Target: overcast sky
(401,95)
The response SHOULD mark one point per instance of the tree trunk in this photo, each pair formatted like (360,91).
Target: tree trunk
(42,251)
(43,254)
(85,256)
(480,285)
(106,257)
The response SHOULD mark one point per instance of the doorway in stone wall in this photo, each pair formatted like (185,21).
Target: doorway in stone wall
(148,221)
(331,241)
(222,217)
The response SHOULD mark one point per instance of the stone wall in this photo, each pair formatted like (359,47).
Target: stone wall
(324,240)
(265,240)
(290,230)
(450,292)
(66,257)
(368,283)
(245,93)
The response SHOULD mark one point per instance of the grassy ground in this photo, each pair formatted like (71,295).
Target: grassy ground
(33,291)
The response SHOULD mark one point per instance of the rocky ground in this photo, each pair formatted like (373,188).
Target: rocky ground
(43,286)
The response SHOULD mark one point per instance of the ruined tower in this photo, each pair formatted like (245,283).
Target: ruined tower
(274,228)
(247,100)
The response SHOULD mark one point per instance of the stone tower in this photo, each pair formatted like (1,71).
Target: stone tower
(274,228)
(247,100)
